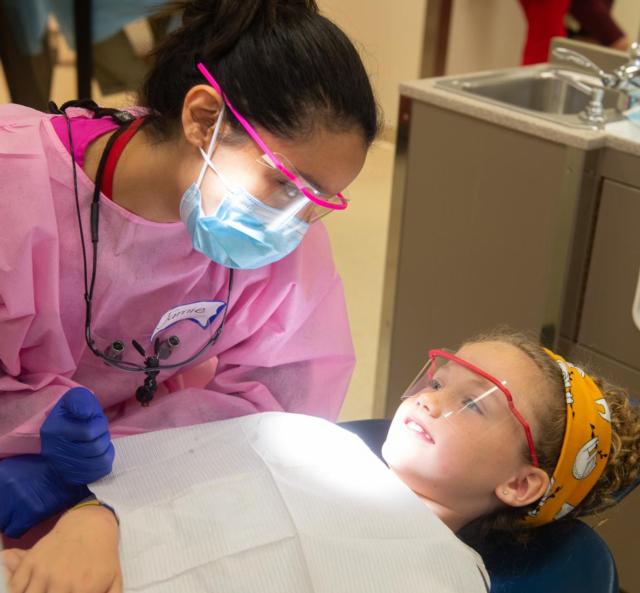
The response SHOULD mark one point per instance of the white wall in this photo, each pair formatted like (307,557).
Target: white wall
(389,36)
(627,14)
(485,35)
(490,34)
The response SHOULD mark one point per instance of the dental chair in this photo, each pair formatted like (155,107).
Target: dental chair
(560,557)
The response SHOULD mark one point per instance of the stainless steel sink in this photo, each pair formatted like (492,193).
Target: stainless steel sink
(542,91)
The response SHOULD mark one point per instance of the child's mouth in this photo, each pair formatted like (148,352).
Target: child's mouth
(418,429)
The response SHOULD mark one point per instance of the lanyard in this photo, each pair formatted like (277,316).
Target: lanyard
(114,155)
(151,365)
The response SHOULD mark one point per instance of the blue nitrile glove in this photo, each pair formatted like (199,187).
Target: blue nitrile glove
(75,438)
(31,491)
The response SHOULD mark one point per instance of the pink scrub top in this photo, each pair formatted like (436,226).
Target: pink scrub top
(285,345)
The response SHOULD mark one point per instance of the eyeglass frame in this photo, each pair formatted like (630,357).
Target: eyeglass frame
(262,144)
(433,354)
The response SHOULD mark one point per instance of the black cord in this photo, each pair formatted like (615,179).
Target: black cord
(151,365)
(95,203)
(75,187)
(135,368)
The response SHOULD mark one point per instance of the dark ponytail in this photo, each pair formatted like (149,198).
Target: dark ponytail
(283,65)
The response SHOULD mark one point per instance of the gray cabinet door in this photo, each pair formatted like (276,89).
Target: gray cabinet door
(482,226)
(607,324)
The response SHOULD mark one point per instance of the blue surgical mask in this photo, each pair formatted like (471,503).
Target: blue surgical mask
(239,234)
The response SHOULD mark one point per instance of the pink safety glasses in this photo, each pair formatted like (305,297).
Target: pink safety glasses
(303,187)
(435,354)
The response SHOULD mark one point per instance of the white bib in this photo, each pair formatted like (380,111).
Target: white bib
(275,503)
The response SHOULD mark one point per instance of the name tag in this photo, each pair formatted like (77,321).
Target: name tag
(203,313)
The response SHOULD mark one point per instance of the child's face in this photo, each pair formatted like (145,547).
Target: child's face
(458,462)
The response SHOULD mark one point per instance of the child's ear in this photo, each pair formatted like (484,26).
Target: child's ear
(527,486)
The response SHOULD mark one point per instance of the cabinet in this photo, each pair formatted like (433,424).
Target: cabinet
(607,337)
(489,226)
(607,325)
(598,326)
(482,222)
(492,226)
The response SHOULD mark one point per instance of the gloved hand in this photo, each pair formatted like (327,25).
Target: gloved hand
(75,438)
(31,491)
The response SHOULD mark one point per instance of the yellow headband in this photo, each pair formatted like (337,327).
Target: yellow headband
(587,440)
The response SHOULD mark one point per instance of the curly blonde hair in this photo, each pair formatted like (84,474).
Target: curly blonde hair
(623,464)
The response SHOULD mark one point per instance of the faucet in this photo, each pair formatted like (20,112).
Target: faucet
(625,79)
(593,113)
(628,75)
(573,57)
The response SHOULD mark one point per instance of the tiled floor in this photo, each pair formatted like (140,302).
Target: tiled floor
(359,238)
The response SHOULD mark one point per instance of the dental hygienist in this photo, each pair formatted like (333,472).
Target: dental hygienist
(164,266)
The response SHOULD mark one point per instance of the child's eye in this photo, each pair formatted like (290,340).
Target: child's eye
(427,385)
(433,385)
(472,405)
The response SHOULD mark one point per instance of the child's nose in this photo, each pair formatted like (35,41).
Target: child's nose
(430,402)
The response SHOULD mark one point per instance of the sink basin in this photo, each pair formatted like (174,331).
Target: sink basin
(538,91)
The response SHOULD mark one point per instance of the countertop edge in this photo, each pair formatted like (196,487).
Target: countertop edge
(426,91)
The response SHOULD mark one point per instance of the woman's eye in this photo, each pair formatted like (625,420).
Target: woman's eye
(291,190)
(433,385)
(286,189)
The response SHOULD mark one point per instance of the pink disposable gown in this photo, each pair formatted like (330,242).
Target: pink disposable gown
(285,345)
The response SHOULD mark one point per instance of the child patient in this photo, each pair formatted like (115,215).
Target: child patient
(503,432)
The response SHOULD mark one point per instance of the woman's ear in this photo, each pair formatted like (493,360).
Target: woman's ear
(527,486)
(200,110)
